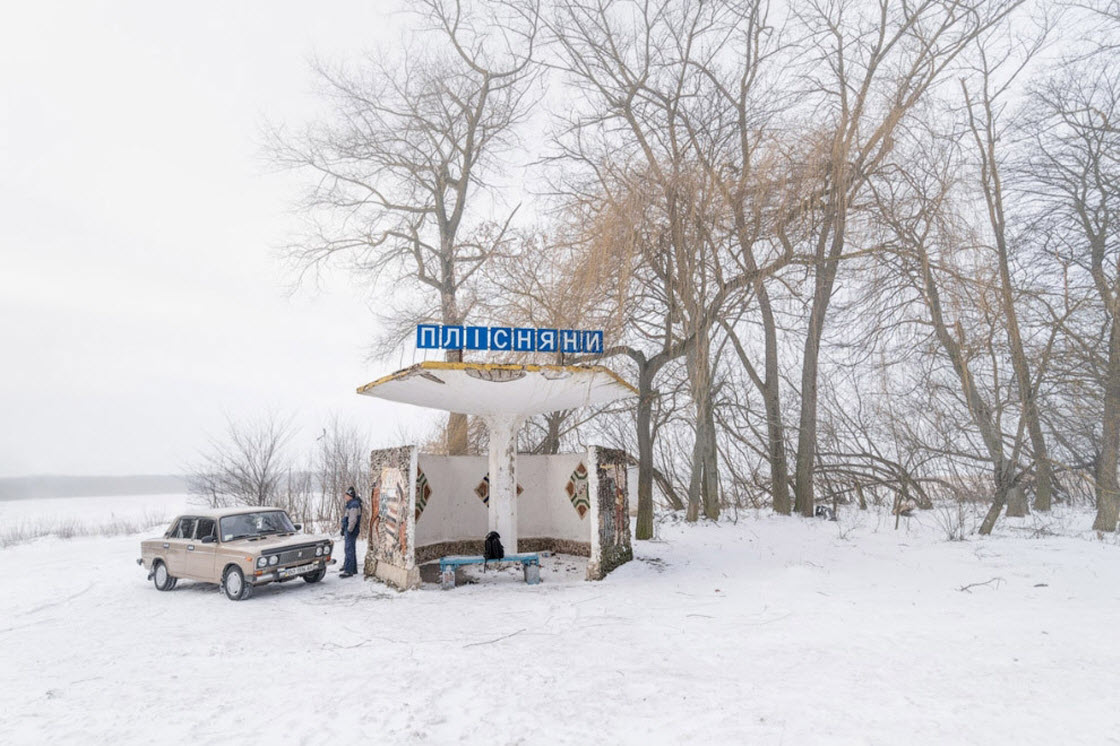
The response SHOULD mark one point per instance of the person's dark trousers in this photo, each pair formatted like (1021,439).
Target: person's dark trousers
(350,565)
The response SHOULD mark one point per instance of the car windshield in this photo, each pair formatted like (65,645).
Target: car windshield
(247,525)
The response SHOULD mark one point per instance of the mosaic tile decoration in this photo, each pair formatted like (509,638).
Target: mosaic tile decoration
(423,491)
(577,490)
(483,490)
(391,499)
(613,513)
(390,554)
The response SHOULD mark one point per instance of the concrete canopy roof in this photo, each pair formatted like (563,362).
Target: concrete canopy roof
(498,389)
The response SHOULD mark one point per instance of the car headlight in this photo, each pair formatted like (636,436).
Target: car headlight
(327,550)
(262,561)
(274,559)
(318,551)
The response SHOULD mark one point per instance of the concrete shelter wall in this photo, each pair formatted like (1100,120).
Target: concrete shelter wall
(547,511)
(390,555)
(453,511)
(610,498)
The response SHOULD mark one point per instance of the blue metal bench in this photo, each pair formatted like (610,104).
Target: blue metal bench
(530,564)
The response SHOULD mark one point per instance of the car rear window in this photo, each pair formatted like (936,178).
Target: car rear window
(205,528)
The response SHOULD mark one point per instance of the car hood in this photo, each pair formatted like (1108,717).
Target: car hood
(272,543)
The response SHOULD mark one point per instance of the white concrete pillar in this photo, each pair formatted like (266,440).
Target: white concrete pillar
(503,478)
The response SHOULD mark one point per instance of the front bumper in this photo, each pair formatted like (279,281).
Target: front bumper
(272,575)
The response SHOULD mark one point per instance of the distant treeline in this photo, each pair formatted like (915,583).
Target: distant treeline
(25,488)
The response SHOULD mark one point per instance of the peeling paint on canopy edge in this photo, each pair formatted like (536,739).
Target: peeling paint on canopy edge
(529,368)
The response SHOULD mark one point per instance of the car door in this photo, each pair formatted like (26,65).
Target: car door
(175,546)
(201,554)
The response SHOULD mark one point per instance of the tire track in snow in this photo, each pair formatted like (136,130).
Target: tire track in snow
(48,605)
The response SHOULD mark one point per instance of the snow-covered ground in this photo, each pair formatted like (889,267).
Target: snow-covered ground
(763,631)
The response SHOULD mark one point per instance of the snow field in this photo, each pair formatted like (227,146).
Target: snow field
(768,630)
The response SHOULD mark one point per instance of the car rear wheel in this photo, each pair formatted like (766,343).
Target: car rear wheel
(161,578)
(233,582)
(315,577)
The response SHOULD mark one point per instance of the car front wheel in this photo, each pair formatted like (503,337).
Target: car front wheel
(162,578)
(315,577)
(234,584)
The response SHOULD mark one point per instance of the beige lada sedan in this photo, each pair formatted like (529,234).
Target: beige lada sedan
(238,548)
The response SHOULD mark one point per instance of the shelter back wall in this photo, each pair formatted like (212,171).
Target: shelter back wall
(453,510)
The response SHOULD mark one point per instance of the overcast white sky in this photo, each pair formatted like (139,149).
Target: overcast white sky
(140,295)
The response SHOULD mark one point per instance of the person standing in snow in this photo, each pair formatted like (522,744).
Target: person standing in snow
(351,526)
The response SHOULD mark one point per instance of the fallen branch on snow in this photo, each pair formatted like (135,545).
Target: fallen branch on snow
(496,639)
(966,588)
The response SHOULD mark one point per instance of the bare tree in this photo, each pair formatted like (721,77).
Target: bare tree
(341,461)
(984,107)
(249,466)
(404,174)
(666,144)
(1074,166)
(624,239)
(872,62)
(803,208)
(956,278)
(542,281)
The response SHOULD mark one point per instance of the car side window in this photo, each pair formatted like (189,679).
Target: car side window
(185,529)
(205,528)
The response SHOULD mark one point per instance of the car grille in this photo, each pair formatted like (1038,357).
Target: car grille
(297,555)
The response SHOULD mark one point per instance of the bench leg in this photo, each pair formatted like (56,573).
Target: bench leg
(447,579)
(532,574)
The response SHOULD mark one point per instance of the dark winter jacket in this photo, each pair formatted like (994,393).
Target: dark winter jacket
(352,517)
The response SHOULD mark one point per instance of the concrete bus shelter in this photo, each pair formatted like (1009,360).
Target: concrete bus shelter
(425,506)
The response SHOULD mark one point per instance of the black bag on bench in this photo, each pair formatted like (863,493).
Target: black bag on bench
(493,550)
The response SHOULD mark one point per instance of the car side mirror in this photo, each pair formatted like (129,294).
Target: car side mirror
(298,526)
(209,539)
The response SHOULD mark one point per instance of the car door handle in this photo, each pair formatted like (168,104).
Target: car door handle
(190,547)
(166,546)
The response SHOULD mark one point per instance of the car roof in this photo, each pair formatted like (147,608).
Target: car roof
(203,512)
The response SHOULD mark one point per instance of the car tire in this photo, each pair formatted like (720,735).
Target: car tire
(315,577)
(161,578)
(233,583)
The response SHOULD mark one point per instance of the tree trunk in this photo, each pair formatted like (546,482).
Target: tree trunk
(768,389)
(1016,503)
(696,481)
(703,491)
(551,444)
(645,454)
(710,458)
(457,442)
(992,516)
(771,399)
(1108,492)
(822,296)
(978,408)
(992,184)
(1001,479)
(807,432)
